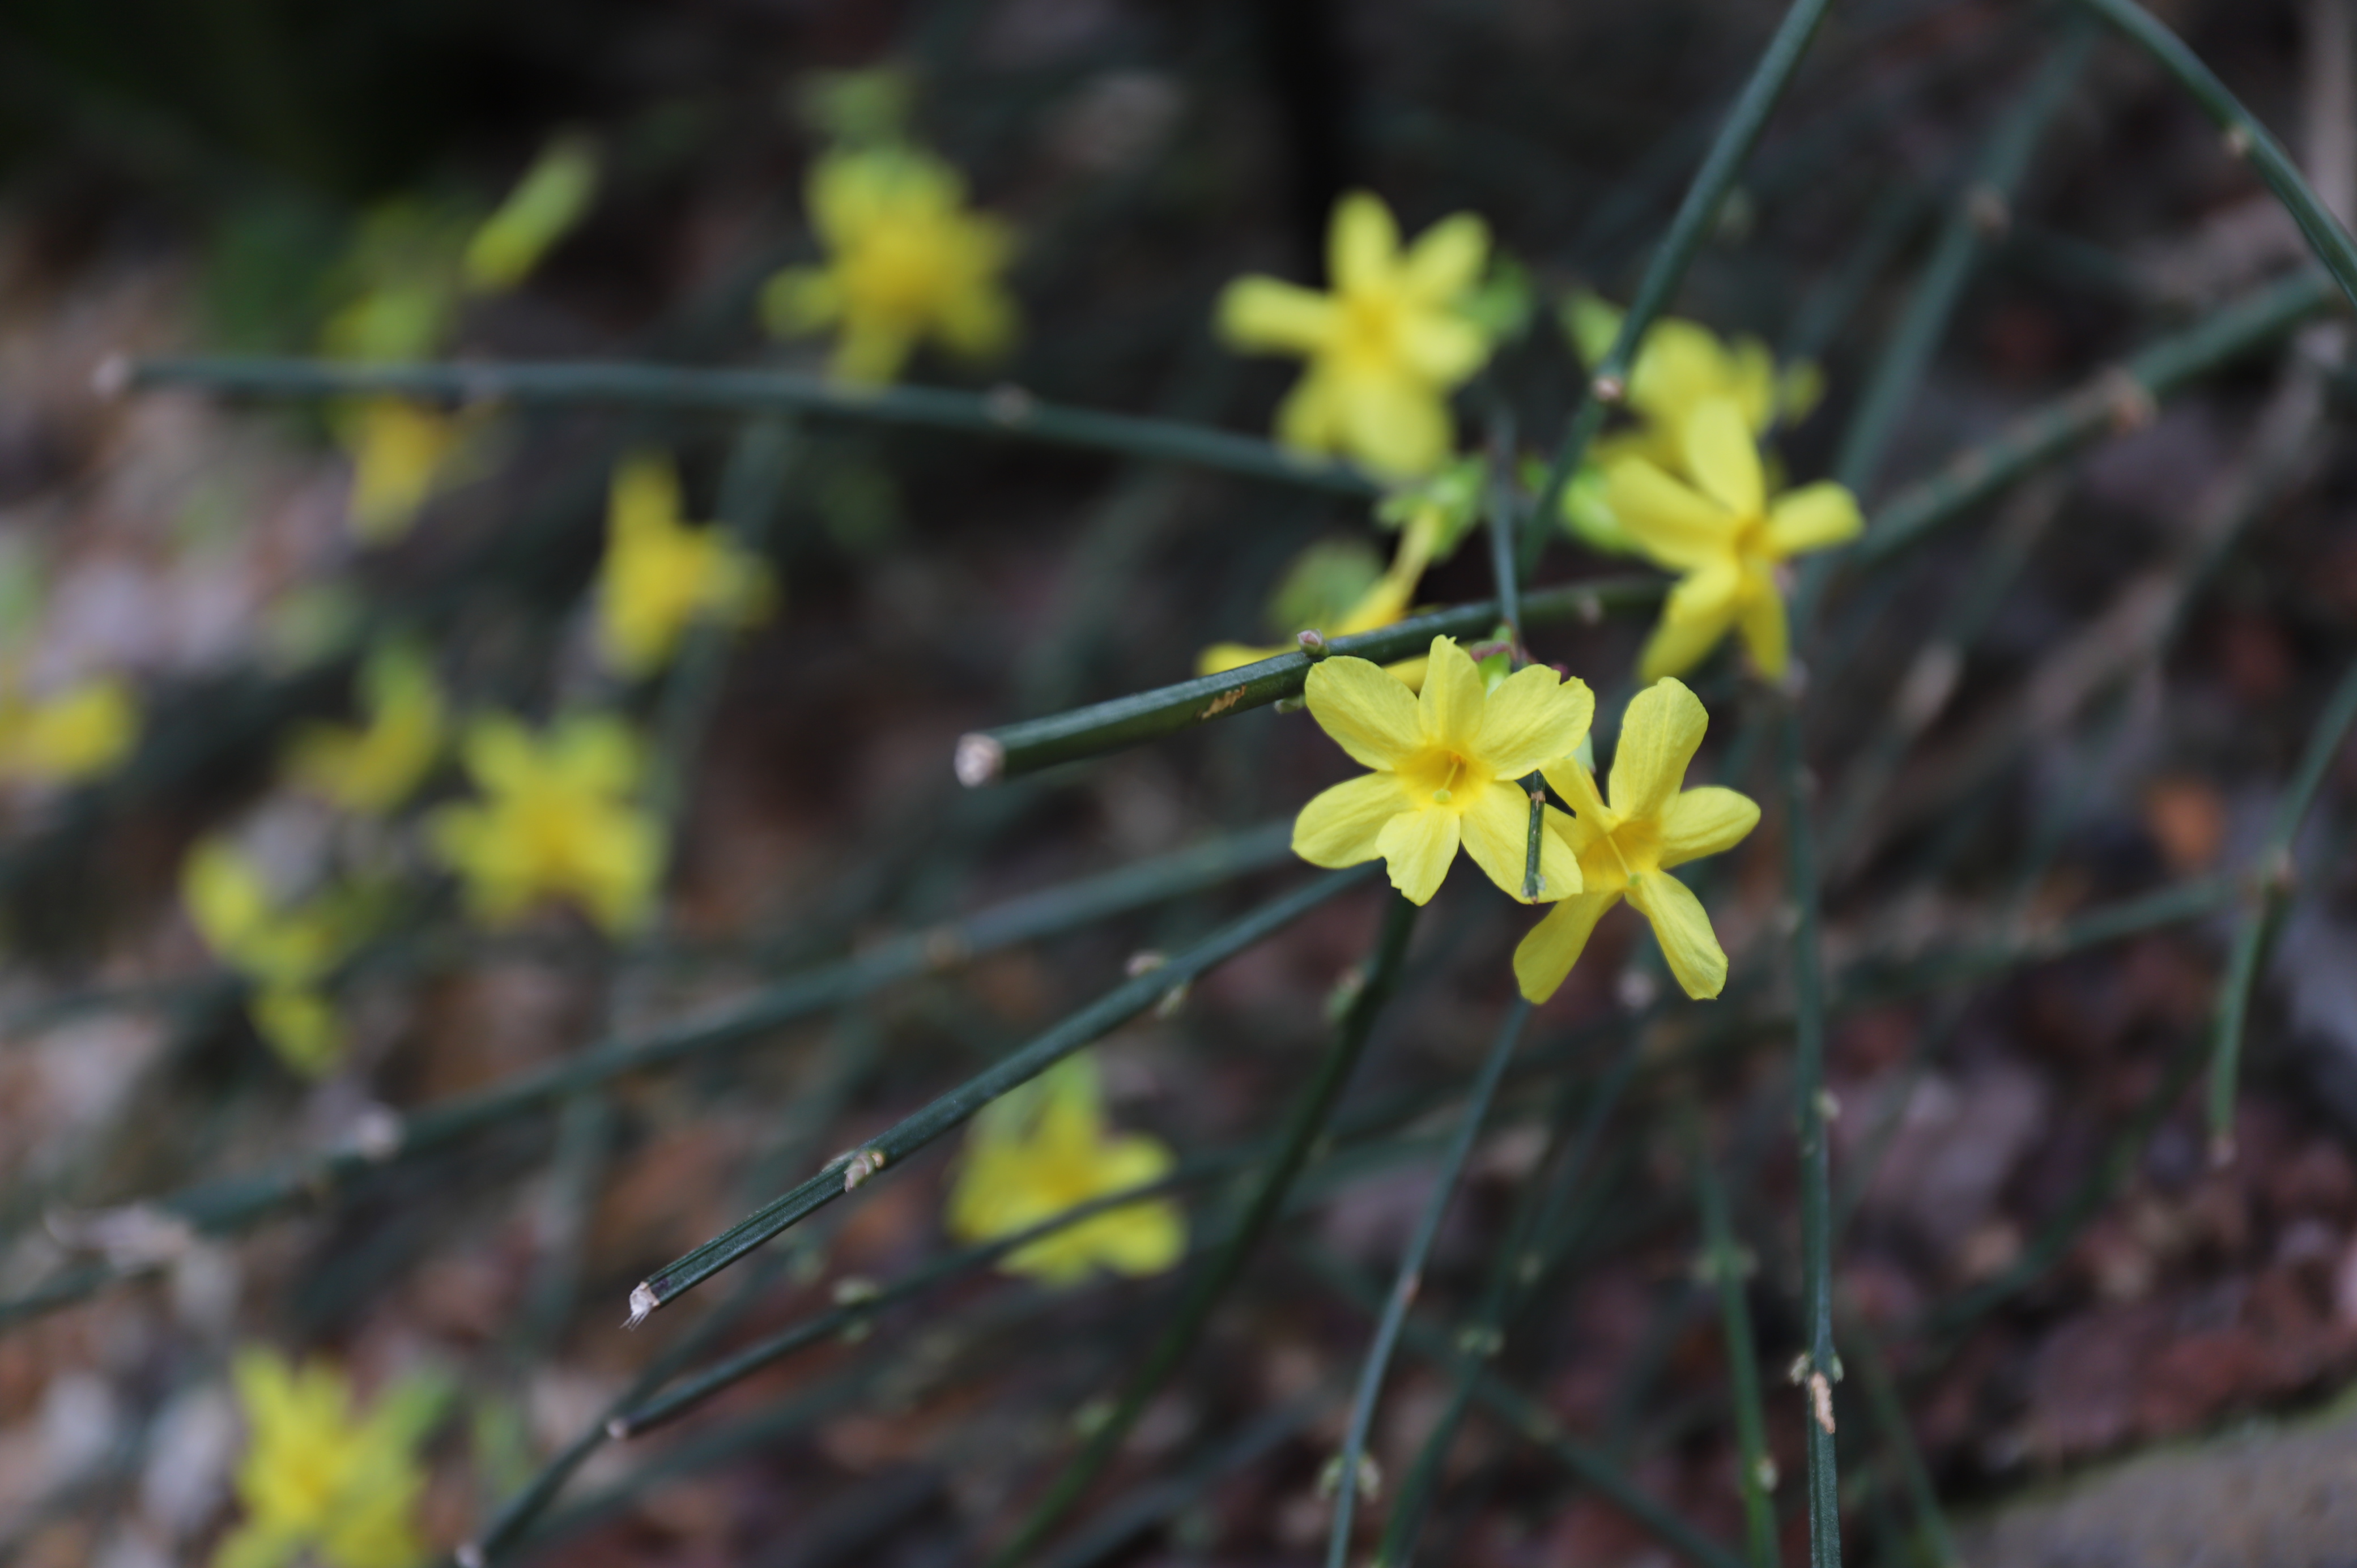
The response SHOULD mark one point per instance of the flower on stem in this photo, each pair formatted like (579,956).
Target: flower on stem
(1385,347)
(560,819)
(285,954)
(1045,1148)
(370,769)
(1380,604)
(1445,770)
(1626,848)
(553,197)
(661,575)
(1728,536)
(77,734)
(320,1482)
(907,259)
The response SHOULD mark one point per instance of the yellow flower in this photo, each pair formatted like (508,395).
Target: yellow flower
(905,261)
(1444,771)
(284,954)
(559,820)
(402,453)
(373,767)
(546,203)
(1626,848)
(661,575)
(1384,602)
(1726,536)
(1044,1149)
(320,1483)
(1385,347)
(79,734)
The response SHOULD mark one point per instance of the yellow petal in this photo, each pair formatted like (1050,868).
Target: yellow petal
(1310,418)
(1708,594)
(1702,822)
(1814,518)
(1751,370)
(1683,931)
(1723,456)
(1363,246)
(1363,710)
(1418,844)
(1659,735)
(1446,259)
(1571,780)
(1545,957)
(1450,710)
(1764,634)
(1342,826)
(1667,521)
(1532,718)
(1265,313)
(1442,347)
(800,300)
(1496,832)
(1222,657)
(1396,425)
(1677,647)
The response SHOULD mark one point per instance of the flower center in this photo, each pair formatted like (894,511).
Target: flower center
(1445,778)
(1370,332)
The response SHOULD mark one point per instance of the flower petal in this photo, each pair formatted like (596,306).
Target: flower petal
(1264,312)
(1671,522)
(1446,259)
(1365,711)
(1532,718)
(1723,456)
(1363,246)
(1571,780)
(1420,845)
(1677,647)
(1659,735)
(1814,516)
(1496,832)
(1765,637)
(1545,957)
(1702,822)
(1394,424)
(1441,347)
(1679,363)
(1310,417)
(1683,931)
(1706,594)
(1342,826)
(1452,702)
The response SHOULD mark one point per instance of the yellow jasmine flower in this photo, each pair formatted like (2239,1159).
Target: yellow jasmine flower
(559,820)
(1444,771)
(1626,848)
(1044,1149)
(400,454)
(1729,537)
(373,767)
(552,196)
(284,954)
(79,734)
(660,574)
(905,261)
(319,1482)
(1385,347)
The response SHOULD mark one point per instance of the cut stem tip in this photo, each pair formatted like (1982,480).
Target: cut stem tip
(642,1303)
(980,760)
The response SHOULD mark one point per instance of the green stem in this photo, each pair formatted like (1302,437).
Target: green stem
(1006,411)
(1891,1416)
(1696,214)
(1410,1279)
(1728,1267)
(988,755)
(1204,1292)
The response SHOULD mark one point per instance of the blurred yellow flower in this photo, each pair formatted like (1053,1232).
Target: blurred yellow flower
(660,574)
(1382,603)
(79,734)
(319,1483)
(907,259)
(1385,347)
(1444,771)
(1626,848)
(552,196)
(1728,537)
(372,767)
(284,954)
(402,453)
(1045,1148)
(559,820)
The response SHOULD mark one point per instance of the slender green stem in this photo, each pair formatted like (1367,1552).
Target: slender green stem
(2244,135)
(1728,1265)
(1006,411)
(1821,1365)
(1209,1286)
(847,1172)
(1410,1279)
(2275,880)
(987,755)
(1696,214)
(2121,397)
(1882,1400)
